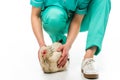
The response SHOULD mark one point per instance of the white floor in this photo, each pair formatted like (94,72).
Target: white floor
(18,47)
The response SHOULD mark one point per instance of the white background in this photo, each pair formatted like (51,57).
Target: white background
(18,46)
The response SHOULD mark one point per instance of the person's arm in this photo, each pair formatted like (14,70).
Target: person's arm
(37,25)
(74,29)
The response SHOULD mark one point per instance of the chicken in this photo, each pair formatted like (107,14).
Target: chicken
(49,58)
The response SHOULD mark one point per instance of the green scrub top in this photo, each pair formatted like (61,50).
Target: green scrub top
(74,6)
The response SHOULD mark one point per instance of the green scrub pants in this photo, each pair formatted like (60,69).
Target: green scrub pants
(56,23)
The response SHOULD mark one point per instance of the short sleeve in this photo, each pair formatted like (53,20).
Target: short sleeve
(82,7)
(37,3)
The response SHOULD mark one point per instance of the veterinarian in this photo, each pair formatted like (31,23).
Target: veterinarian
(58,17)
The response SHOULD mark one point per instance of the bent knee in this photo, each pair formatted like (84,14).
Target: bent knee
(54,19)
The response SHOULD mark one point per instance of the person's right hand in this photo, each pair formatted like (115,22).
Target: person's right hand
(42,51)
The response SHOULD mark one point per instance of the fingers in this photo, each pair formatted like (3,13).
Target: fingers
(60,60)
(63,62)
(63,59)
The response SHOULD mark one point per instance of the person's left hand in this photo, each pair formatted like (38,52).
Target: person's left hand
(64,57)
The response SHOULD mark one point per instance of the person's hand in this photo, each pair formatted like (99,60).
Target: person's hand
(64,57)
(42,51)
